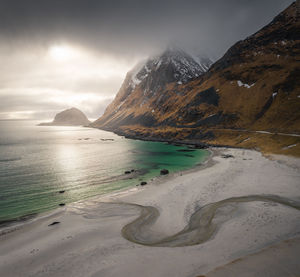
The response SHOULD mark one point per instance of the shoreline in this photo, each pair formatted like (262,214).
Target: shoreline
(183,142)
(261,145)
(88,240)
(9,226)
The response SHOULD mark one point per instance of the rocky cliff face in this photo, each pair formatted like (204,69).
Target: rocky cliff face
(69,117)
(143,88)
(254,87)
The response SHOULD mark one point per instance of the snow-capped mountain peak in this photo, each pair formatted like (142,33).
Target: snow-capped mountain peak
(148,79)
(173,65)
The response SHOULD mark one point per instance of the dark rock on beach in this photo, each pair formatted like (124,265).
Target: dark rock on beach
(61,191)
(143,183)
(127,172)
(62,204)
(164,172)
(226,156)
(54,223)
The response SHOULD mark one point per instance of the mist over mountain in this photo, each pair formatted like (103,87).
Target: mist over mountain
(76,53)
(143,88)
(254,87)
(186,160)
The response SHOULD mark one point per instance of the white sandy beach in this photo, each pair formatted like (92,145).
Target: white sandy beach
(251,238)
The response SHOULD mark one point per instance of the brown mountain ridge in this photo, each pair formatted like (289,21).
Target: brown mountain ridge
(249,98)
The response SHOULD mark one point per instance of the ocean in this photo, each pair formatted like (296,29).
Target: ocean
(44,166)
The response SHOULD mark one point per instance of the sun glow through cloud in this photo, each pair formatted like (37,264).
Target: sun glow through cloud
(61,76)
(62,53)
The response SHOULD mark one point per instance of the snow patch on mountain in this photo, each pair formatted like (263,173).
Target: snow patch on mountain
(179,66)
(134,81)
(241,84)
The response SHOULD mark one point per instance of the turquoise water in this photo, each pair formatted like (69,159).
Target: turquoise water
(37,162)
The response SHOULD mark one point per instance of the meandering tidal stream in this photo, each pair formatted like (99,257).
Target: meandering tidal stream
(200,227)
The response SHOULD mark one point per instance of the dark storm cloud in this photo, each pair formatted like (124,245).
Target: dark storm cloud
(129,28)
(110,37)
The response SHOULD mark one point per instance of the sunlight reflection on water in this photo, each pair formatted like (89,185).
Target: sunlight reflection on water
(38,162)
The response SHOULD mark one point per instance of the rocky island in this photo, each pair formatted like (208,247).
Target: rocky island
(69,117)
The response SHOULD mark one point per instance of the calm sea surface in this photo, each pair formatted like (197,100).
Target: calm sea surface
(38,162)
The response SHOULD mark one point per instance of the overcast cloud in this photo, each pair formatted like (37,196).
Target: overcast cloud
(106,39)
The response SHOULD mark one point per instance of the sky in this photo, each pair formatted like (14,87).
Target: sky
(57,54)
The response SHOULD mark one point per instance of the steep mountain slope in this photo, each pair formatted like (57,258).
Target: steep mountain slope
(143,88)
(69,117)
(254,87)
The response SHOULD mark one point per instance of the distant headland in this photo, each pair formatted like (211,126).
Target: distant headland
(69,117)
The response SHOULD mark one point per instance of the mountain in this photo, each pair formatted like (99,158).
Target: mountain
(249,98)
(69,117)
(143,87)
(204,61)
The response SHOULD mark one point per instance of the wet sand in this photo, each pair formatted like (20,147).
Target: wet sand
(200,227)
(276,260)
(187,225)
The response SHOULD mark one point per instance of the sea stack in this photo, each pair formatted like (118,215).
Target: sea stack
(69,117)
